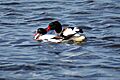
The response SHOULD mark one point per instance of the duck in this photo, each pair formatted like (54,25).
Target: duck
(68,34)
(73,34)
(48,38)
(65,34)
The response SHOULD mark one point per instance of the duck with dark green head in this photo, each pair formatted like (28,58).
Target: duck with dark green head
(52,26)
(55,25)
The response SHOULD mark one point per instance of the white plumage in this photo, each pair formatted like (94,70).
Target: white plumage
(72,32)
(68,31)
(47,38)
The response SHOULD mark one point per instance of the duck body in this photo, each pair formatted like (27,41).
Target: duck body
(57,39)
(65,34)
(47,38)
(78,38)
(68,34)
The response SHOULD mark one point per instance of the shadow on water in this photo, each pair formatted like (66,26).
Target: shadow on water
(31,45)
(113,46)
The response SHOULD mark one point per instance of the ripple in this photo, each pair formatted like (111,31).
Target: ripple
(116,18)
(89,1)
(43,8)
(51,2)
(67,65)
(16,67)
(15,14)
(110,37)
(3,41)
(19,41)
(96,75)
(112,26)
(113,46)
(85,27)
(23,58)
(10,3)
(86,57)
(3,79)
(5,23)
(82,12)
(42,19)
(30,45)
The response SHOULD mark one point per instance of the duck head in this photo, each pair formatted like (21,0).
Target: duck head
(39,32)
(54,26)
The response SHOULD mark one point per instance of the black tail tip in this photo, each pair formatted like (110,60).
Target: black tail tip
(81,30)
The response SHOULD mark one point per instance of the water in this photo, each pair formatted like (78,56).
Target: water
(22,58)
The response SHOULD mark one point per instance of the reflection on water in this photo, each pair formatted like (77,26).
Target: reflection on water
(23,58)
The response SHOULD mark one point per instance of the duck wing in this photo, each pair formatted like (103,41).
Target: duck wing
(68,37)
(57,37)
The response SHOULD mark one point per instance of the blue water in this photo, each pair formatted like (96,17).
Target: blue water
(22,58)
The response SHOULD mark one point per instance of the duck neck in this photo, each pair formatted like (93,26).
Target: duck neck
(48,28)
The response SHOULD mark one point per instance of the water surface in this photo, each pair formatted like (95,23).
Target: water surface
(22,58)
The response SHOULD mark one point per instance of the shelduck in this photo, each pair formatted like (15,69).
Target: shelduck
(65,34)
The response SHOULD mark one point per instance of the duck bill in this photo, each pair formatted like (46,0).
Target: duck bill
(36,36)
